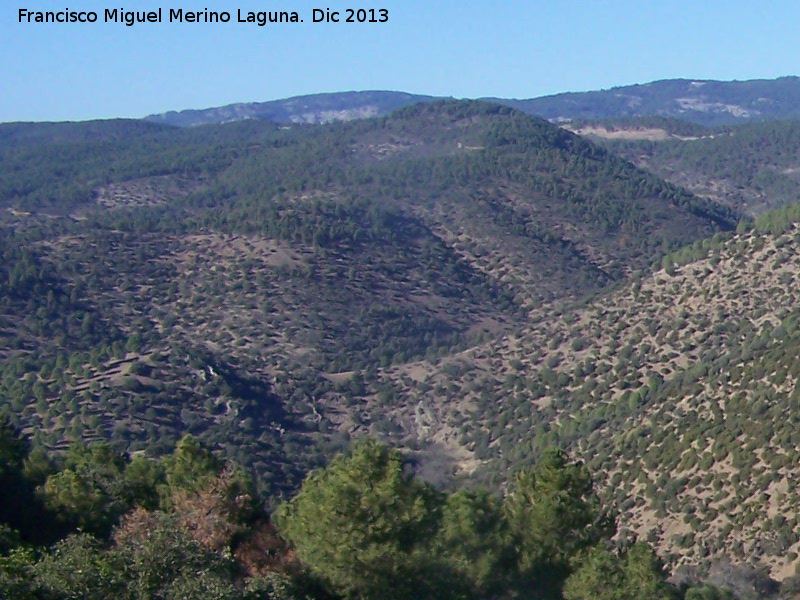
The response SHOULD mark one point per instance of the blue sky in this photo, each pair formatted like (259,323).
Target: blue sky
(509,48)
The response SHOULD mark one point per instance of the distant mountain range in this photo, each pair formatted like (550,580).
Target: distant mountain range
(315,108)
(706,102)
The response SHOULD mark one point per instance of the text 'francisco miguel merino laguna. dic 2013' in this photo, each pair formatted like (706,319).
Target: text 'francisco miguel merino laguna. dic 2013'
(179,15)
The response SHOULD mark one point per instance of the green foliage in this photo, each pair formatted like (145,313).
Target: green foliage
(21,512)
(361,523)
(77,568)
(472,537)
(777,221)
(191,466)
(349,525)
(162,560)
(155,557)
(16,574)
(144,478)
(13,450)
(90,492)
(183,552)
(275,586)
(635,574)
(9,538)
(16,489)
(552,514)
(363,527)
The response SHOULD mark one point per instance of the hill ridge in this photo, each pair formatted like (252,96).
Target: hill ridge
(703,101)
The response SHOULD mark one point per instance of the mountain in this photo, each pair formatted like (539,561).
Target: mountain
(249,283)
(705,102)
(314,108)
(679,389)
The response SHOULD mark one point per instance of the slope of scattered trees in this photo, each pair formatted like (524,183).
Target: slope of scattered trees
(246,283)
(421,277)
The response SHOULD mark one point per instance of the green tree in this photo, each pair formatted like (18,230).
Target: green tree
(20,509)
(363,525)
(472,537)
(154,557)
(16,574)
(16,492)
(161,559)
(552,514)
(603,576)
(77,567)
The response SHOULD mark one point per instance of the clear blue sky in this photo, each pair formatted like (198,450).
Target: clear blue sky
(508,48)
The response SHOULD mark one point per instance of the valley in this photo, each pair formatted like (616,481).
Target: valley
(457,279)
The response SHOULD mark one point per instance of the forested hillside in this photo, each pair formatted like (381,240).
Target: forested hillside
(751,168)
(248,283)
(680,388)
(473,285)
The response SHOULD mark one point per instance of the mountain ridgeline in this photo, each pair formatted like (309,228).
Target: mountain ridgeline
(705,102)
(315,108)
